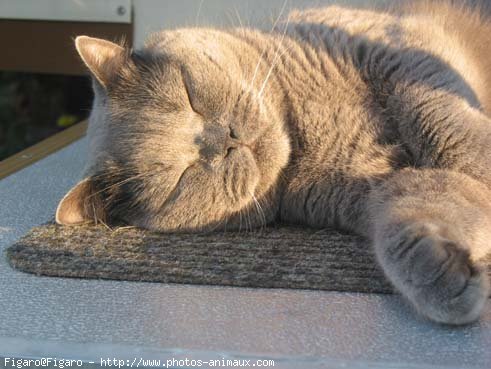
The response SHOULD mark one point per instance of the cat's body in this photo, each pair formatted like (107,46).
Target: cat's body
(373,122)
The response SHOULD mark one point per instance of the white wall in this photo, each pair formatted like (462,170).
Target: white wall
(113,11)
(153,15)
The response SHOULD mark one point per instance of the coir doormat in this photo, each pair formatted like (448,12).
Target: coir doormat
(276,257)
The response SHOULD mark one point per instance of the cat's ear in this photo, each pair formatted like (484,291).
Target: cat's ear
(103,58)
(81,204)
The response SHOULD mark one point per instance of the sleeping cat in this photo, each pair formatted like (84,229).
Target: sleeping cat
(375,122)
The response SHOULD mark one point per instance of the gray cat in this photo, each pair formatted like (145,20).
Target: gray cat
(375,122)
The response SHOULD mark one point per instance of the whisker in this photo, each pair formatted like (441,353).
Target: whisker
(97,221)
(114,185)
(238,17)
(256,70)
(275,63)
(199,11)
(105,174)
(240,220)
(123,228)
(247,219)
(260,211)
(276,58)
(224,221)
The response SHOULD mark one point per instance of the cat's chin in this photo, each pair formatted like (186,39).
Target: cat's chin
(230,223)
(253,212)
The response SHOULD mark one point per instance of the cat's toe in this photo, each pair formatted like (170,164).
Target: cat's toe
(448,287)
(434,273)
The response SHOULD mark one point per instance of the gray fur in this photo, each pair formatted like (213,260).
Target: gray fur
(370,121)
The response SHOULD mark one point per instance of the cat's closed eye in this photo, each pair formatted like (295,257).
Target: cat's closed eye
(187,83)
(372,122)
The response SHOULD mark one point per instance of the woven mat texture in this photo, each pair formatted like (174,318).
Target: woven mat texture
(275,257)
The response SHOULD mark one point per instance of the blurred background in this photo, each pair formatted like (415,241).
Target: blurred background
(44,88)
(36,106)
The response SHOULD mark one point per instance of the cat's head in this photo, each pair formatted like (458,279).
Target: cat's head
(179,137)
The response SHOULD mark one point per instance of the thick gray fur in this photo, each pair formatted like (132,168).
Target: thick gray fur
(376,122)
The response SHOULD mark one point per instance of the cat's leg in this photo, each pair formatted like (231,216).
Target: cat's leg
(434,111)
(432,225)
(430,228)
(448,133)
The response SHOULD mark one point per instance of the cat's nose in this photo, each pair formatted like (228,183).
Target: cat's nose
(230,145)
(217,142)
(233,133)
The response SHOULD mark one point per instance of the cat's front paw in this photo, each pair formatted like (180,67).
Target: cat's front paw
(436,275)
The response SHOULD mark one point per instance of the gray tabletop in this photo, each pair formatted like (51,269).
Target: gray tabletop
(92,319)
